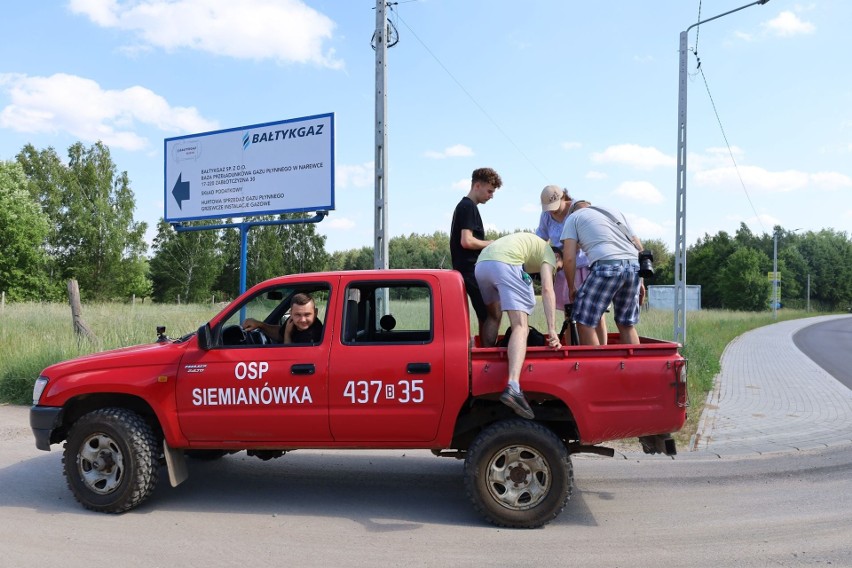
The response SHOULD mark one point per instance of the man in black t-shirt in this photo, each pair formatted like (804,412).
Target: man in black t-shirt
(467,234)
(303,325)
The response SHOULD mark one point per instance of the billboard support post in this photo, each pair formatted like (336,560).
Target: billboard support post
(244,229)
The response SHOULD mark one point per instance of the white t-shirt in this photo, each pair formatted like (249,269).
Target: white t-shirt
(598,236)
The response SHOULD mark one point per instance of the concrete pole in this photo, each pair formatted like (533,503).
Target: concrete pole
(380,246)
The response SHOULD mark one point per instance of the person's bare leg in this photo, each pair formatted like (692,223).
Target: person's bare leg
(517,351)
(601,331)
(588,335)
(490,328)
(627,334)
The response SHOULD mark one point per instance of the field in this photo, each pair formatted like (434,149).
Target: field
(33,336)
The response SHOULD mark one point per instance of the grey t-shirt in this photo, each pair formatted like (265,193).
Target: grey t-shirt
(598,236)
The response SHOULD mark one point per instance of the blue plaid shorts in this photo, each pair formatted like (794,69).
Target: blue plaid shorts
(609,283)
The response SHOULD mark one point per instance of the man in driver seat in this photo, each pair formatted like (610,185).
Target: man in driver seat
(303,325)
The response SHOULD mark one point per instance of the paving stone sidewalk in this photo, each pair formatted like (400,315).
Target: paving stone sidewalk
(770,397)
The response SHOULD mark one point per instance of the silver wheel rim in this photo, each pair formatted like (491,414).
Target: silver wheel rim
(518,477)
(101,464)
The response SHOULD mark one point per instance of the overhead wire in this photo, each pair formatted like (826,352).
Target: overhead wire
(700,70)
(470,96)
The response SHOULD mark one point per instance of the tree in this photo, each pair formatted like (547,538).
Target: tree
(829,257)
(303,249)
(185,265)
(23,230)
(272,250)
(91,206)
(704,261)
(352,259)
(743,281)
(228,282)
(663,262)
(420,251)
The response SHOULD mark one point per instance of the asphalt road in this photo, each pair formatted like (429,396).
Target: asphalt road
(391,508)
(829,344)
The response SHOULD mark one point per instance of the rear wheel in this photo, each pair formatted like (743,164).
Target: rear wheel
(111,460)
(518,474)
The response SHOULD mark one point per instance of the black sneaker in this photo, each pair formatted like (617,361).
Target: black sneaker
(517,402)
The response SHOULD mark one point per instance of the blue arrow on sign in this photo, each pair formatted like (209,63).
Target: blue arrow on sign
(181,191)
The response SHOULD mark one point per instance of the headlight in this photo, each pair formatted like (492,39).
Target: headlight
(38,388)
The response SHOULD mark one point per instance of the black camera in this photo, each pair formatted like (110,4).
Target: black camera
(646,264)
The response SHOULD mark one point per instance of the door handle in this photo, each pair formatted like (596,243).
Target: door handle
(302,369)
(419,368)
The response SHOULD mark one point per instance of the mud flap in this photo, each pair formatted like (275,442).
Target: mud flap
(175,464)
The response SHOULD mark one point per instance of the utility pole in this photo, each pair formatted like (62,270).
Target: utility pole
(775,274)
(380,244)
(680,198)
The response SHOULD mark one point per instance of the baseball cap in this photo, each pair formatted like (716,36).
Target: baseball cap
(551,195)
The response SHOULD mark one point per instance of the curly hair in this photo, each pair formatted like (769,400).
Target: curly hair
(486,175)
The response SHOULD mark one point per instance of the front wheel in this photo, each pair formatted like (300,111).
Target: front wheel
(111,460)
(518,474)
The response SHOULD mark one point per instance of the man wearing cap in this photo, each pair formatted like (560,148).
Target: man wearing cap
(467,236)
(614,276)
(555,202)
(502,272)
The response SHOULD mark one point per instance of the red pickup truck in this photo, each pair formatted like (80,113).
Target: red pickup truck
(395,367)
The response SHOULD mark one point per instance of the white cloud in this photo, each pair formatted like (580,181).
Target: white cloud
(639,191)
(788,24)
(81,107)
(456,151)
(592,174)
(339,223)
(645,228)
(756,178)
(568,146)
(640,157)
(714,157)
(830,180)
(762,222)
(358,175)
(288,31)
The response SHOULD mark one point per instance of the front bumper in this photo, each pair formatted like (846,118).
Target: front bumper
(43,421)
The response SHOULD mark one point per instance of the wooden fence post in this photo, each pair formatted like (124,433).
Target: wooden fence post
(80,327)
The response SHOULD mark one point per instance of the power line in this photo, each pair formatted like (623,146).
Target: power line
(719,121)
(471,97)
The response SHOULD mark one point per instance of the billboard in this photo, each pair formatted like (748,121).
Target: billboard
(264,169)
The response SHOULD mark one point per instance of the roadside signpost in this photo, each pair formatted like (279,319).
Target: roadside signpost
(263,169)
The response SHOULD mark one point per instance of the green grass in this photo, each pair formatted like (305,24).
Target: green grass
(33,336)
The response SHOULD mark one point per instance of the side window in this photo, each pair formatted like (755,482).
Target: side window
(388,312)
(262,319)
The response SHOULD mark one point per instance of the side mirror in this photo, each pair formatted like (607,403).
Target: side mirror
(204,337)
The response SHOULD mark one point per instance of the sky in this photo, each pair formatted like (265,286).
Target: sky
(583,95)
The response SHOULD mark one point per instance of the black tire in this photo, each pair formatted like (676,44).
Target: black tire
(518,474)
(111,460)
